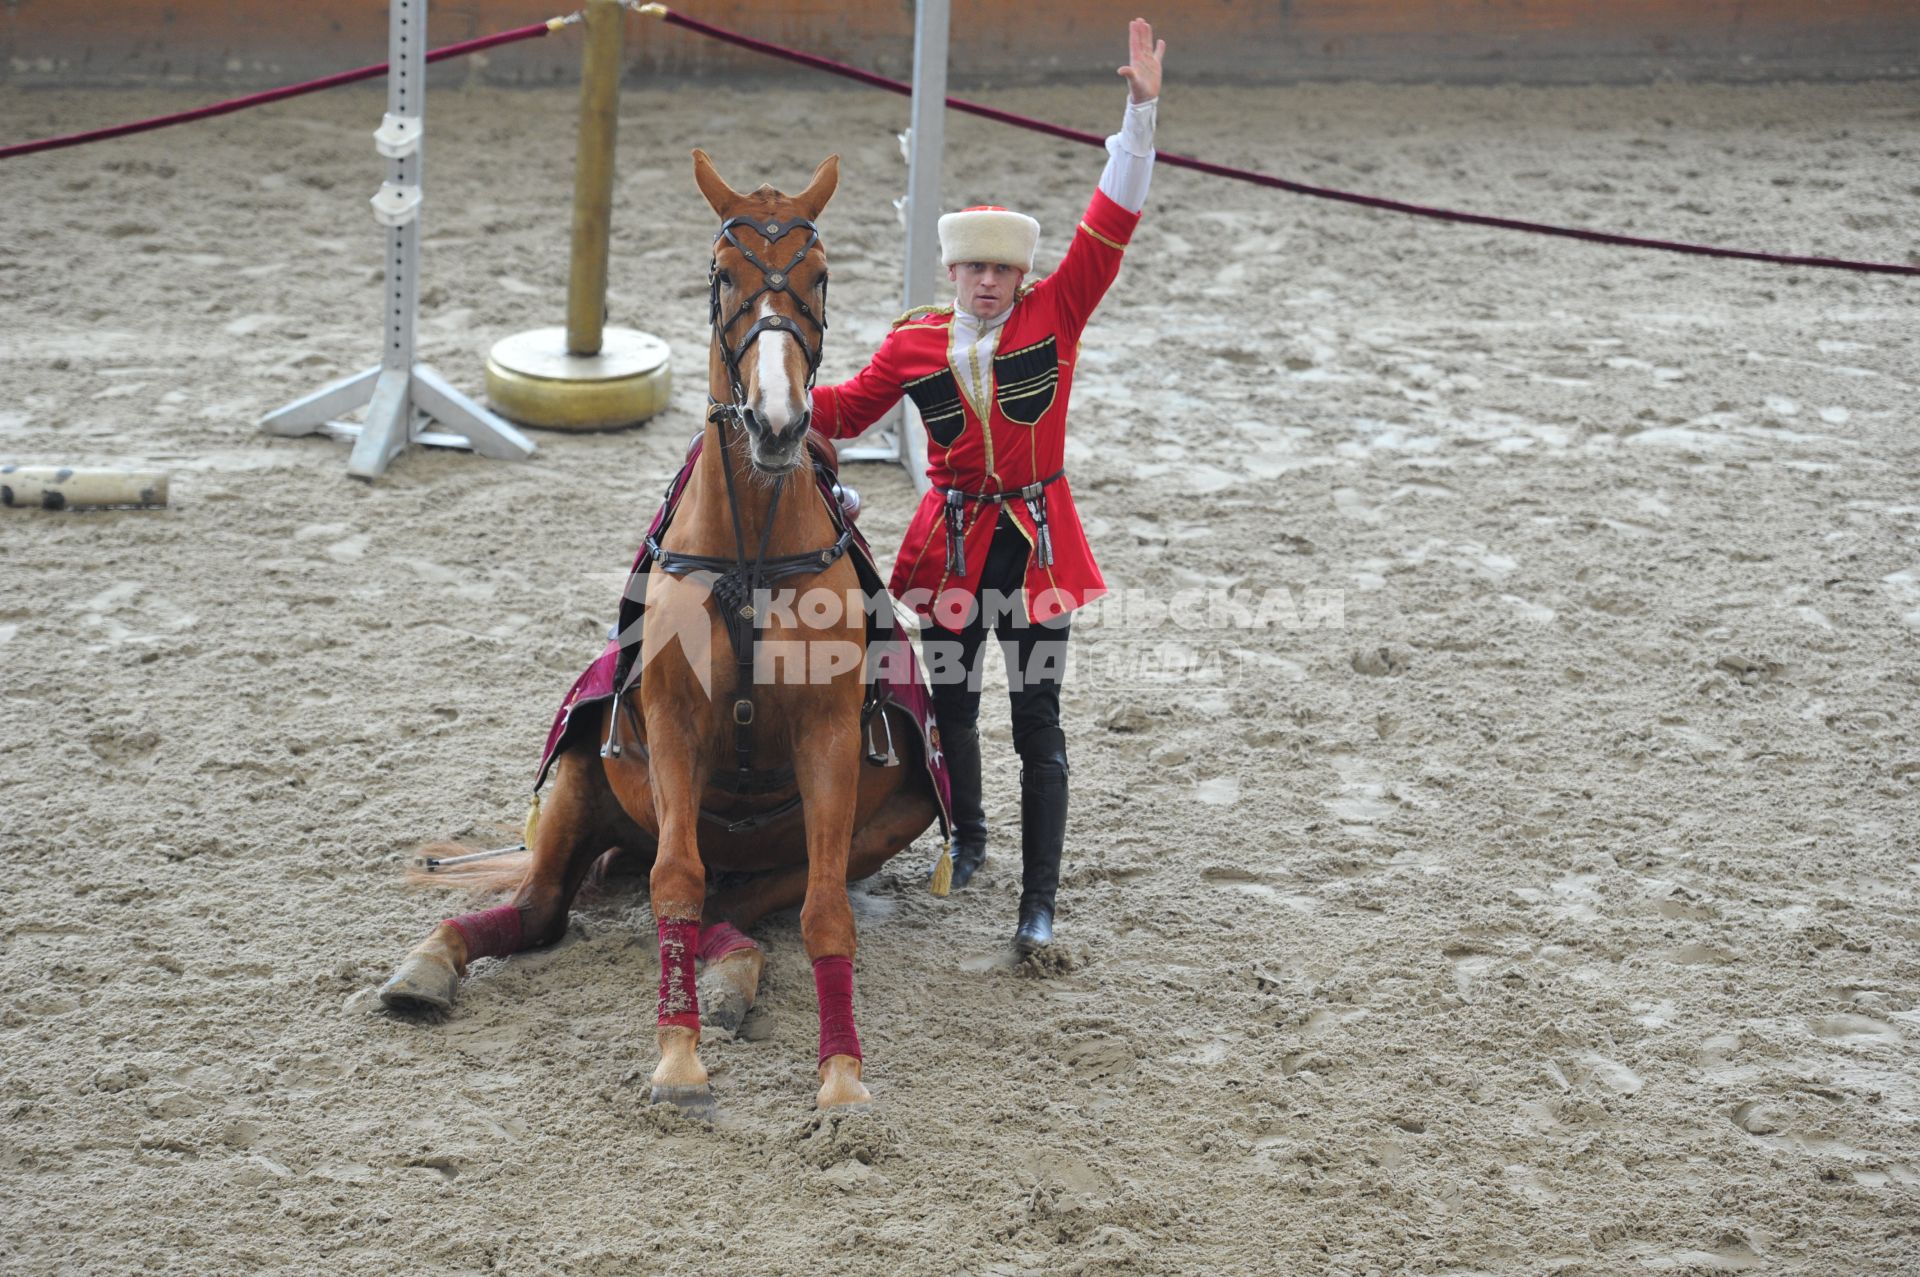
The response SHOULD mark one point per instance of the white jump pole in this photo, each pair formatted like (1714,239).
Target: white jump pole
(899,437)
(403,398)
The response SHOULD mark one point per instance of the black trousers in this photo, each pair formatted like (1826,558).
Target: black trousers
(1036,654)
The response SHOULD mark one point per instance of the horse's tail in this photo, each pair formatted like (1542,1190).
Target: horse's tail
(491,875)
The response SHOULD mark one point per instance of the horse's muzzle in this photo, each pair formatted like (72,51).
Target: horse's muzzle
(761,432)
(795,429)
(776,451)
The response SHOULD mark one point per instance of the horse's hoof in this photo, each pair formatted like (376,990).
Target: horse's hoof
(840,1087)
(722,1006)
(695,1102)
(846,1106)
(424,984)
(728,987)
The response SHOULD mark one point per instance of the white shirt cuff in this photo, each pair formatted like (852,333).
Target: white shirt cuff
(1129,168)
(1136,130)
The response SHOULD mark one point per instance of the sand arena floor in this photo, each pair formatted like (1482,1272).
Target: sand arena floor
(1549,910)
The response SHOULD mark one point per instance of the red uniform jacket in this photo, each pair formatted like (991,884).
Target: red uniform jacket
(1022,438)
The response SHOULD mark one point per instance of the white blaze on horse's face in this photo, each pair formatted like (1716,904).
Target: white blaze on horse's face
(777,392)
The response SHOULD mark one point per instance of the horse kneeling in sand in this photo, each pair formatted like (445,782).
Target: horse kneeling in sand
(717,733)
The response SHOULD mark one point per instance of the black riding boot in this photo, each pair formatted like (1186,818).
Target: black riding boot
(961,745)
(1043,830)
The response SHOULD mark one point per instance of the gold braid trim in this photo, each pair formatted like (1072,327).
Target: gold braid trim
(921,312)
(1013,388)
(1118,248)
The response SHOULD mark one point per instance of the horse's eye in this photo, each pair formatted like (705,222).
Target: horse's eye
(726,279)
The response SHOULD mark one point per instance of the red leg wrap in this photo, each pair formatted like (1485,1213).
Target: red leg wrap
(721,939)
(679,999)
(833,983)
(491,933)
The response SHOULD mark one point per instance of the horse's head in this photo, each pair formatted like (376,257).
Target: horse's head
(769,308)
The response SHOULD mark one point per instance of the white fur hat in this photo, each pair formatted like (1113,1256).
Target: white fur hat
(989,233)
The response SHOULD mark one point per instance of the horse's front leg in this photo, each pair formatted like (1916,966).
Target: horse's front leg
(679,890)
(828,771)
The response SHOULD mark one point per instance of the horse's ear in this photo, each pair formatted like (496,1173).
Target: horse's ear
(820,189)
(721,196)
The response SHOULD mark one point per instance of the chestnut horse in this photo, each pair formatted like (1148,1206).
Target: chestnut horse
(708,720)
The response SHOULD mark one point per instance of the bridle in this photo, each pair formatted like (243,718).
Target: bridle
(773,279)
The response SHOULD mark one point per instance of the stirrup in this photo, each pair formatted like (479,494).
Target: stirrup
(877,756)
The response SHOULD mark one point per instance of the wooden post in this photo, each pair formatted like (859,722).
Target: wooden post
(585,375)
(593,176)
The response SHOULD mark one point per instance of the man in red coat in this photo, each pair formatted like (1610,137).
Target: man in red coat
(996,541)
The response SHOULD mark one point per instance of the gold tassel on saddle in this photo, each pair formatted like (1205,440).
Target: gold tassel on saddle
(942,880)
(532,826)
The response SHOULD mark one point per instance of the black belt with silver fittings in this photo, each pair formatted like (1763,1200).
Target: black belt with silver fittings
(1034,494)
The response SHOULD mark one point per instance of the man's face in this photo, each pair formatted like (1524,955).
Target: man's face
(985,289)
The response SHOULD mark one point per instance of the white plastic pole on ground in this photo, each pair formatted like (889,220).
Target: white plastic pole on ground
(402,397)
(926,148)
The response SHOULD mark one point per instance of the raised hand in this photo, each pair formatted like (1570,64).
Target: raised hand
(1143,71)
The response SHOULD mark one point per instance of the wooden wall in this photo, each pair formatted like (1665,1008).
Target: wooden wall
(267,41)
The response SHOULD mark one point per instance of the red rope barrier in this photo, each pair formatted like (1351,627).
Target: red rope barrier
(269,95)
(1265,179)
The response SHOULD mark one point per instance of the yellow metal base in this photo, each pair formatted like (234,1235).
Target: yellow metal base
(534,380)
